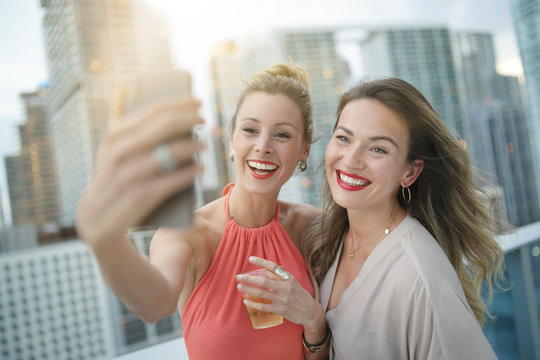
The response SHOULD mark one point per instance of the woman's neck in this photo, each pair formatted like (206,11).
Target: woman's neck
(367,224)
(251,210)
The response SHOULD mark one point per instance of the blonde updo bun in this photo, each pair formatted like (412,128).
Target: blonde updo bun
(288,80)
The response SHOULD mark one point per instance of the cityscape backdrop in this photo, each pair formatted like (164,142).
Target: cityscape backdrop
(462,55)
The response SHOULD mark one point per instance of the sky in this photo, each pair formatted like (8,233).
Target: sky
(196,25)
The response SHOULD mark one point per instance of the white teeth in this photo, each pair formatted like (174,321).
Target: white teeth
(260,166)
(351,181)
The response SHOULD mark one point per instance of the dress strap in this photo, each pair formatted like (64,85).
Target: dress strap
(227,193)
(276,217)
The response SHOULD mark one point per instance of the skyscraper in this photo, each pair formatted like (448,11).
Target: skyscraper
(495,124)
(31,175)
(313,49)
(421,56)
(526,16)
(500,146)
(88,44)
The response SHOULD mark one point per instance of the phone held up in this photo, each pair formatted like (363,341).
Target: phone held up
(140,88)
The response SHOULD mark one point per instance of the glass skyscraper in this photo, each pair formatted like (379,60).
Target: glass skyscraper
(526,16)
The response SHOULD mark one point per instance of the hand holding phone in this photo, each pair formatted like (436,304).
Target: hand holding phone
(141,89)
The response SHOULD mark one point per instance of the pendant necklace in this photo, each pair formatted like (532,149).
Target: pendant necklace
(386,232)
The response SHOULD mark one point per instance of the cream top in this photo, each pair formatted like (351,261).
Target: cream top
(406,303)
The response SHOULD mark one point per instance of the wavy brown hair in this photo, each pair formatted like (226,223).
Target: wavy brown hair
(445,197)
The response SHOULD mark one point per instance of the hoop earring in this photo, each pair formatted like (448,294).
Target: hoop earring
(231,155)
(407,198)
(301,165)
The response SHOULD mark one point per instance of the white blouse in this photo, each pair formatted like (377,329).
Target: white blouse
(406,303)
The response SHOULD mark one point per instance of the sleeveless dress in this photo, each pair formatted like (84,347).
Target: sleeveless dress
(215,321)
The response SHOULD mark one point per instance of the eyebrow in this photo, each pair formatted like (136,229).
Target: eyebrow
(373,138)
(278,124)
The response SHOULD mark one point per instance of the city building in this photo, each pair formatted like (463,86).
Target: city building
(31,175)
(500,147)
(526,17)
(495,124)
(88,45)
(3,220)
(18,237)
(421,56)
(54,304)
(315,50)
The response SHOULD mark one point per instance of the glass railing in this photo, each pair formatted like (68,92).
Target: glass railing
(513,331)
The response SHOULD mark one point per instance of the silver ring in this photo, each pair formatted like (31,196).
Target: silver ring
(282,273)
(164,157)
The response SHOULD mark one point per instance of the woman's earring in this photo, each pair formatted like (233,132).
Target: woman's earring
(231,155)
(301,165)
(407,198)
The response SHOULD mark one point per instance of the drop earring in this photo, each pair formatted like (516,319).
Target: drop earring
(231,155)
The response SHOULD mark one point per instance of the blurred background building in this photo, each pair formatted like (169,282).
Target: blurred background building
(526,16)
(54,304)
(31,175)
(88,45)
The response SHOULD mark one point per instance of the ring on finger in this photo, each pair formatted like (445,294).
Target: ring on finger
(164,157)
(282,273)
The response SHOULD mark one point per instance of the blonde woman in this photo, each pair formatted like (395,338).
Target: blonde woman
(194,271)
(404,243)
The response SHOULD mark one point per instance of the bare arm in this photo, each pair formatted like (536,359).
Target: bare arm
(149,288)
(127,184)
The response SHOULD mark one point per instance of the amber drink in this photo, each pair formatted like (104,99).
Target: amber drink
(262,319)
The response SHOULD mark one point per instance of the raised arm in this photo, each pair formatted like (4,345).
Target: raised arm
(127,184)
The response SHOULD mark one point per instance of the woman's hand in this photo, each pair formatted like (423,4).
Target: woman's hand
(288,297)
(128,181)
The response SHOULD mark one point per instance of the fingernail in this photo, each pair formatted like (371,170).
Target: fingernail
(239,277)
(251,259)
(245,302)
(239,287)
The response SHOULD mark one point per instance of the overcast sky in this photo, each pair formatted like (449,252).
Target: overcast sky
(196,25)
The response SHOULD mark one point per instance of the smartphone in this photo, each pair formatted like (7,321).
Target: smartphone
(140,88)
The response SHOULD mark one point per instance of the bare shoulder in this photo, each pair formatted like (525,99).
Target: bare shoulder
(209,223)
(295,218)
(187,253)
(298,211)
(211,217)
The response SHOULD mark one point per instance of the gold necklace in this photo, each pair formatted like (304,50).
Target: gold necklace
(351,253)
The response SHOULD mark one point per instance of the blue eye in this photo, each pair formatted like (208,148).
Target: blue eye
(342,138)
(380,150)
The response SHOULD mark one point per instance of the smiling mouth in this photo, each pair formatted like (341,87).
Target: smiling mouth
(262,168)
(351,182)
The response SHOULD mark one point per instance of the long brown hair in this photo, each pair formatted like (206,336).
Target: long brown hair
(445,197)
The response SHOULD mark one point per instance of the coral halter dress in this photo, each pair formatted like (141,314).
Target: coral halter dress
(215,321)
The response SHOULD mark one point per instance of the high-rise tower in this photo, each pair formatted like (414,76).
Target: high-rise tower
(89,43)
(31,174)
(526,16)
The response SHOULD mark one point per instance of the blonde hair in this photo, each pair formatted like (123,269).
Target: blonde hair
(445,196)
(288,80)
